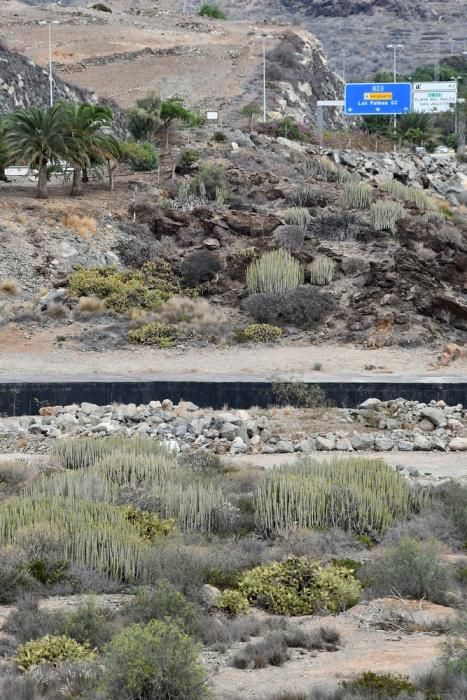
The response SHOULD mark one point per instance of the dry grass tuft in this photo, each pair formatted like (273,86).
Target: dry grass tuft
(91,306)
(10,287)
(84,226)
(57,311)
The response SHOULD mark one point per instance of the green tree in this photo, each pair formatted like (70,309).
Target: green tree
(143,120)
(111,151)
(87,125)
(173,110)
(40,137)
(156,661)
(251,110)
(211,10)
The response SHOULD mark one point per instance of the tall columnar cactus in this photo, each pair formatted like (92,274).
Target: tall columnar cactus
(406,194)
(356,195)
(322,270)
(362,495)
(275,273)
(385,215)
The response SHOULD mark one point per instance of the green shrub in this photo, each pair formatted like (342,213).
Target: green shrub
(200,266)
(101,7)
(298,394)
(148,525)
(154,333)
(381,686)
(141,156)
(232,602)
(322,270)
(211,10)
(146,288)
(274,273)
(13,573)
(298,586)
(208,181)
(301,307)
(156,661)
(162,602)
(189,156)
(355,494)
(220,137)
(51,649)
(410,569)
(260,333)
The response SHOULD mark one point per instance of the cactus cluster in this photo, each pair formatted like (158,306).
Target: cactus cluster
(406,194)
(434,216)
(385,215)
(356,494)
(322,270)
(356,195)
(297,216)
(274,273)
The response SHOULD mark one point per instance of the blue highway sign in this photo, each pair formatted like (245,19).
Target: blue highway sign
(378,98)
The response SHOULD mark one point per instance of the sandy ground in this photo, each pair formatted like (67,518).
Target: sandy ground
(22,352)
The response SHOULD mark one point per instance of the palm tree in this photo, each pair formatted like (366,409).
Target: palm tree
(39,137)
(5,156)
(87,124)
(417,127)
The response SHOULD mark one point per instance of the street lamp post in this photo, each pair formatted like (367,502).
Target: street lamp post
(51,80)
(394,47)
(456,78)
(263,38)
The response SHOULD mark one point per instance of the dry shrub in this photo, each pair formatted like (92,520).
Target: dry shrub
(196,315)
(10,287)
(84,226)
(422,253)
(91,305)
(15,471)
(57,311)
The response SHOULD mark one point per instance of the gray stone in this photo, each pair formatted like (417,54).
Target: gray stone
(167,405)
(370,403)
(362,441)
(325,444)
(89,408)
(262,422)
(187,406)
(383,444)
(405,446)
(284,446)
(421,443)
(426,425)
(458,444)
(228,418)
(211,243)
(307,445)
(238,446)
(435,415)
(228,431)
(344,445)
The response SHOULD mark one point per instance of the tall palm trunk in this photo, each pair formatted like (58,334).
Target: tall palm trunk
(42,180)
(85,177)
(3,177)
(76,188)
(110,173)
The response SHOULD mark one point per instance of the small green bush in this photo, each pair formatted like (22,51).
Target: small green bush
(260,333)
(148,525)
(220,137)
(298,586)
(189,156)
(146,288)
(211,10)
(381,685)
(156,661)
(154,333)
(410,569)
(141,157)
(232,602)
(52,649)
(296,216)
(162,602)
(100,7)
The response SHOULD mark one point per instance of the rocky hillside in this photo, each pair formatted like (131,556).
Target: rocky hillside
(344,8)
(24,84)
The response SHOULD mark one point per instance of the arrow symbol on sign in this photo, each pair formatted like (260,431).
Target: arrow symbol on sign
(378,109)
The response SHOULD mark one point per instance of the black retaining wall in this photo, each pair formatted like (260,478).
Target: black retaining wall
(18,398)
